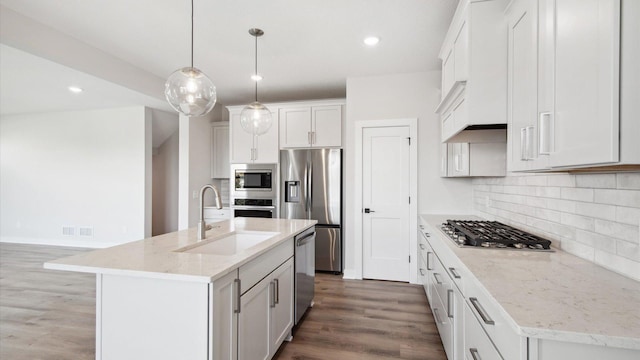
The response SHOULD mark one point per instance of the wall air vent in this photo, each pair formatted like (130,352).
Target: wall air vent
(85,231)
(68,230)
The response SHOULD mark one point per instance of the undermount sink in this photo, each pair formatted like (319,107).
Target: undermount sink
(230,244)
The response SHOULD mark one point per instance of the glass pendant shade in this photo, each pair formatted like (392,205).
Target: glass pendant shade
(256,118)
(190,92)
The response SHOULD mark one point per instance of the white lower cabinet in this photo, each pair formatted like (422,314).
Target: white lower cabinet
(223,325)
(253,335)
(265,317)
(477,343)
(282,307)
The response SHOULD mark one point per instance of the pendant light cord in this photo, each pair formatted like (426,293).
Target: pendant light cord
(191,33)
(256,73)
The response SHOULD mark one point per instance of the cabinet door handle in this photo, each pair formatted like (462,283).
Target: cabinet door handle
(422,271)
(238,291)
(529,134)
(483,314)
(277,290)
(436,314)
(309,137)
(429,261)
(272,290)
(313,137)
(435,276)
(454,272)
(474,354)
(523,141)
(449,301)
(545,133)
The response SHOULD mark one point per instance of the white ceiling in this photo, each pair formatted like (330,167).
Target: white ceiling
(308,50)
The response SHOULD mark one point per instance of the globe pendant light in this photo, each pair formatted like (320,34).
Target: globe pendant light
(255,118)
(188,90)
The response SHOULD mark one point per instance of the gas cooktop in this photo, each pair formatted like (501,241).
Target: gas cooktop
(492,234)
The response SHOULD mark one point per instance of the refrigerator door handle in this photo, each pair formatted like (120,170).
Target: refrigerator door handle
(309,185)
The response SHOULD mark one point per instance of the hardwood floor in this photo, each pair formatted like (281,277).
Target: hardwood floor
(47,314)
(369,319)
(44,314)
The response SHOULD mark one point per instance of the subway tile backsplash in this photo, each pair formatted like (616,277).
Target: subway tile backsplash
(593,216)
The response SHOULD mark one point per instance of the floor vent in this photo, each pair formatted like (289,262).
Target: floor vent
(68,230)
(85,231)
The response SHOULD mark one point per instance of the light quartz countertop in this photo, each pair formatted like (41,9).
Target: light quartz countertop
(156,257)
(554,295)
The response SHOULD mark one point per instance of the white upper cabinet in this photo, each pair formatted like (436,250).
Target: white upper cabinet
(474,63)
(571,84)
(587,58)
(220,150)
(246,148)
(522,100)
(311,126)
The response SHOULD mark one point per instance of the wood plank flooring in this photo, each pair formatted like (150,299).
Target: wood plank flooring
(369,319)
(47,314)
(44,314)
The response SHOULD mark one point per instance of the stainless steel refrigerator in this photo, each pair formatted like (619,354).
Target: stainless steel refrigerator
(311,188)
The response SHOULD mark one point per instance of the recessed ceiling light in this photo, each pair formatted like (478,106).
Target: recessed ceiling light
(256,77)
(75,89)
(371,40)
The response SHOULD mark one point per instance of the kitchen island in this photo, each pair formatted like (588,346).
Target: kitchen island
(510,304)
(228,296)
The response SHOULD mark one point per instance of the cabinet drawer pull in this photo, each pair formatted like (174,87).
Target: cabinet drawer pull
(277,290)
(422,246)
(474,354)
(436,314)
(435,276)
(421,271)
(429,261)
(483,314)
(449,301)
(454,272)
(237,283)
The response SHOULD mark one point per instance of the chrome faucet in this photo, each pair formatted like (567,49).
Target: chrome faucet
(202,226)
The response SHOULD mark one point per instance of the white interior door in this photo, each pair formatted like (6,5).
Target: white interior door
(385,193)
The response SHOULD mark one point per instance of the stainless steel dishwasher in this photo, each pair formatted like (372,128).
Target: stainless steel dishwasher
(305,268)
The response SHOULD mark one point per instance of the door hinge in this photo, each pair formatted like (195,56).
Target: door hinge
(409,138)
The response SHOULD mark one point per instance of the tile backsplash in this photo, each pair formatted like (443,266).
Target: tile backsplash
(593,216)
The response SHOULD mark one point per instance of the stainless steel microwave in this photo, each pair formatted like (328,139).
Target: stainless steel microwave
(256,179)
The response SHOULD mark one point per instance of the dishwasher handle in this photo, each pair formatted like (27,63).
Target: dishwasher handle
(304,240)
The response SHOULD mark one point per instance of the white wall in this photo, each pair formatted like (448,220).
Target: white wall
(78,169)
(593,216)
(165,187)
(414,95)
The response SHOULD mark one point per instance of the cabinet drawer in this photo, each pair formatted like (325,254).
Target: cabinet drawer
(213,213)
(494,322)
(255,270)
(444,324)
(441,283)
(422,275)
(476,341)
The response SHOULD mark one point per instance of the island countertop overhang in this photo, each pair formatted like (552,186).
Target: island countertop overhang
(156,257)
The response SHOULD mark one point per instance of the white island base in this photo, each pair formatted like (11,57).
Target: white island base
(234,306)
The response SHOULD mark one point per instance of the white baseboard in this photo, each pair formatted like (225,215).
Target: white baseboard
(57,242)
(351,274)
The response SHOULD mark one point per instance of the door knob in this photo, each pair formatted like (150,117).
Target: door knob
(367,211)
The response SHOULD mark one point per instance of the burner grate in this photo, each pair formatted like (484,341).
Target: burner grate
(497,234)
